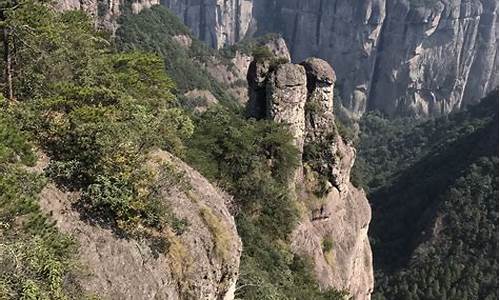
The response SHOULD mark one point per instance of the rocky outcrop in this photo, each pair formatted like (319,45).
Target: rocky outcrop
(233,73)
(201,263)
(334,226)
(417,57)
(398,56)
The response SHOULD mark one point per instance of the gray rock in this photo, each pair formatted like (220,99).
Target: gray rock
(301,96)
(217,22)
(286,94)
(400,56)
(201,263)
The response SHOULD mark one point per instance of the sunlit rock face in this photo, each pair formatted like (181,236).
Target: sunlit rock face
(334,212)
(217,22)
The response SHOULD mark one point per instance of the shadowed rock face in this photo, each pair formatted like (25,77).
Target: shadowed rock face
(403,57)
(400,56)
(217,22)
(335,212)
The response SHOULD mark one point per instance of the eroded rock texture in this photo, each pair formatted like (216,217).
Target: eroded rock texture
(398,56)
(334,226)
(217,22)
(417,57)
(201,263)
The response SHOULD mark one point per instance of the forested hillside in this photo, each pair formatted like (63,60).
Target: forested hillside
(95,108)
(433,187)
(95,113)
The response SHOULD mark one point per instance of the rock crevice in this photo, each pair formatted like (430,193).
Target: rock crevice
(335,212)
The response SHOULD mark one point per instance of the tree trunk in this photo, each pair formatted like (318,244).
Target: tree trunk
(9,91)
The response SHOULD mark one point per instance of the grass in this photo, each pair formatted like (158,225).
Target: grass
(222,240)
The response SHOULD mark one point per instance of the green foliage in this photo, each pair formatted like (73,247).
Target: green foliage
(345,124)
(434,190)
(153,30)
(254,161)
(250,45)
(97,114)
(327,245)
(262,53)
(34,256)
(14,146)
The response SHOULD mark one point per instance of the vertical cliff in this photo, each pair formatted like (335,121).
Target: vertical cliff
(419,57)
(398,56)
(105,12)
(217,22)
(335,214)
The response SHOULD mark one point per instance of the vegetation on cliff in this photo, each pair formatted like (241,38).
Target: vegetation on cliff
(96,113)
(154,30)
(97,108)
(254,161)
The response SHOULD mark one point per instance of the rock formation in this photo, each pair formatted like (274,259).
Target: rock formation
(334,226)
(201,263)
(217,22)
(420,57)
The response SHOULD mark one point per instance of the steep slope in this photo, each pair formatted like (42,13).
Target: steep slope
(335,215)
(200,263)
(398,56)
(105,213)
(434,190)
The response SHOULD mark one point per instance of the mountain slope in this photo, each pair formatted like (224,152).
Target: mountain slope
(434,190)
(104,212)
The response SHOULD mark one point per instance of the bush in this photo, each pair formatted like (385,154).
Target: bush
(327,245)
(97,114)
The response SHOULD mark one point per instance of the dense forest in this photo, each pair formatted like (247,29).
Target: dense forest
(433,186)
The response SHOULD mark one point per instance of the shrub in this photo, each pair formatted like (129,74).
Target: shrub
(327,245)
(255,161)
(262,53)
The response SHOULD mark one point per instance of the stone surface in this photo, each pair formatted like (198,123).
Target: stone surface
(301,96)
(404,57)
(104,12)
(286,95)
(217,22)
(191,268)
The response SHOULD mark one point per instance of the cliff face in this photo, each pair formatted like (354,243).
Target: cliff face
(399,56)
(200,263)
(334,225)
(105,12)
(217,22)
